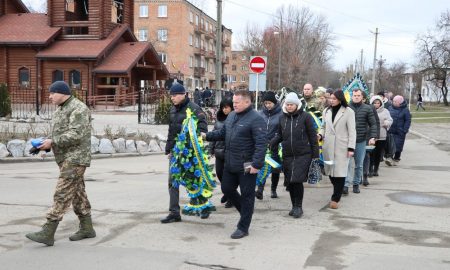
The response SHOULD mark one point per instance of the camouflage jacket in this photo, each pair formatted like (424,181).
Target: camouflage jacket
(71,133)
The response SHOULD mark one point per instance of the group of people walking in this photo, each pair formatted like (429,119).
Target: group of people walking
(240,141)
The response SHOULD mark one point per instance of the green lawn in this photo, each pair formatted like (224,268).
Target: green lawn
(429,116)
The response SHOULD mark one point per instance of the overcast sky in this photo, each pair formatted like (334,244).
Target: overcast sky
(399,22)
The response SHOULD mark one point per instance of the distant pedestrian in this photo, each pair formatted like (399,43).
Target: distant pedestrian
(244,134)
(71,143)
(197,97)
(339,139)
(271,113)
(298,138)
(400,127)
(419,102)
(217,149)
(177,115)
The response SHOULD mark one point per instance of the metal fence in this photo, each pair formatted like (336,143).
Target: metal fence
(153,106)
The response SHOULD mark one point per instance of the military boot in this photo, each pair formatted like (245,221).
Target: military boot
(259,193)
(86,229)
(46,235)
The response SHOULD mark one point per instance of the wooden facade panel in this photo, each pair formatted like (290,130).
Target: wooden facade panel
(21,58)
(49,67)
(3,65)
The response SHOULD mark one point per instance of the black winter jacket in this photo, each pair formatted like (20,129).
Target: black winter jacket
(245,140)
(217,148)
(297,135)
(177,116)
(365,122)
(272,119)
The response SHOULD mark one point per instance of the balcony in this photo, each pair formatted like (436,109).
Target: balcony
(210,35)
(210,55)
(199,72)
(199,51)
(226,60)
(225,42)
(199,30)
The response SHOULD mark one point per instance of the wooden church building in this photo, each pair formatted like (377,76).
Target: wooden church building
(87,43)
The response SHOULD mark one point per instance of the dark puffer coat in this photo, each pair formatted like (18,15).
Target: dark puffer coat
(245,140)
(177,116)
(366,124)
(217,148)
(298,138)
(400,126)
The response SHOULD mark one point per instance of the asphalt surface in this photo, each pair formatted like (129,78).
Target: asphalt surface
(399,222)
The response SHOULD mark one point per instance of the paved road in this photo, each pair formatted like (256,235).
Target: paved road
(399,222)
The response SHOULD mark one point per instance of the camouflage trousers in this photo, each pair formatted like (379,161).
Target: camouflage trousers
(70,190)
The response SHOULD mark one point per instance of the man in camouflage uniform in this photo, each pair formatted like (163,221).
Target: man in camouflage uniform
(71,144)
(310,103)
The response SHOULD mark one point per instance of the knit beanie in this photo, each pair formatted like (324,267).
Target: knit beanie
(292,98)
(177,89)
(398,99)
(60,87)
(270,96)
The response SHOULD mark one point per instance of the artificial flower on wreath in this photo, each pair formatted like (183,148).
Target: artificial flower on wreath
(189,167)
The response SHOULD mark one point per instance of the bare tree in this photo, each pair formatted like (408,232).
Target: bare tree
(304,42)
(434,54)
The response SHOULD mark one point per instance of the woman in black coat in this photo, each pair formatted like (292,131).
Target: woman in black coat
(298,138)
(218,148)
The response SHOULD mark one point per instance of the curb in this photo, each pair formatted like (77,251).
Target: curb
(94,156)
(433,141)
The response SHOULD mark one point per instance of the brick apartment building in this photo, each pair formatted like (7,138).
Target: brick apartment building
(184,37)
(238,77)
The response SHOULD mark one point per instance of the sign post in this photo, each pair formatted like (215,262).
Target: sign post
(257,65)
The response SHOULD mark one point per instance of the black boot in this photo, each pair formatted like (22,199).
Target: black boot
(274,194)
(356,189)
(375,171)
(345,191)
(259,193)
(228,204)
(171,218)
(365,180)
(297,211)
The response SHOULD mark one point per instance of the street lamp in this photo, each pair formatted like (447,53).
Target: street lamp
(279,57)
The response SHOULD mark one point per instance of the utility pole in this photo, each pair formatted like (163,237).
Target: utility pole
(361,69)
(374,62)
(219,46)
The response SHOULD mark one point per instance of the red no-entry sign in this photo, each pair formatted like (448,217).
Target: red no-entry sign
(257,64)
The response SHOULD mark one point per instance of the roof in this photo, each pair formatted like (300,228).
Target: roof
(123,58)
(84,49)
(26,29)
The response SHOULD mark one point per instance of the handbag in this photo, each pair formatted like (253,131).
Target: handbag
(314,173)
(390,145)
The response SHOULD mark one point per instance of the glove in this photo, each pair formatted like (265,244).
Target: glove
(34,151)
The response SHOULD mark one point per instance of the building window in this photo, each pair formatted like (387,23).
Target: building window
(162,34)
(243,68)
(243,79)
(57,75)
(197,41)
(191,39)
(143,35)
(163,57)
(202,23)
(24,77)
(196,19)
(162,11)
(233,67)
(191,17)
(244,58)
(143,11)
(233,56)
(75,79)
(191,61)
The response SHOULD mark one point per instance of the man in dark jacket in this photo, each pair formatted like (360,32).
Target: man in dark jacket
(366,127)
(244,133)
(271,113)
(177,115)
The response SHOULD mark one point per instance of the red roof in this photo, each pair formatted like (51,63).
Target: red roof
(82,49)
(26,29)
(123,58)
